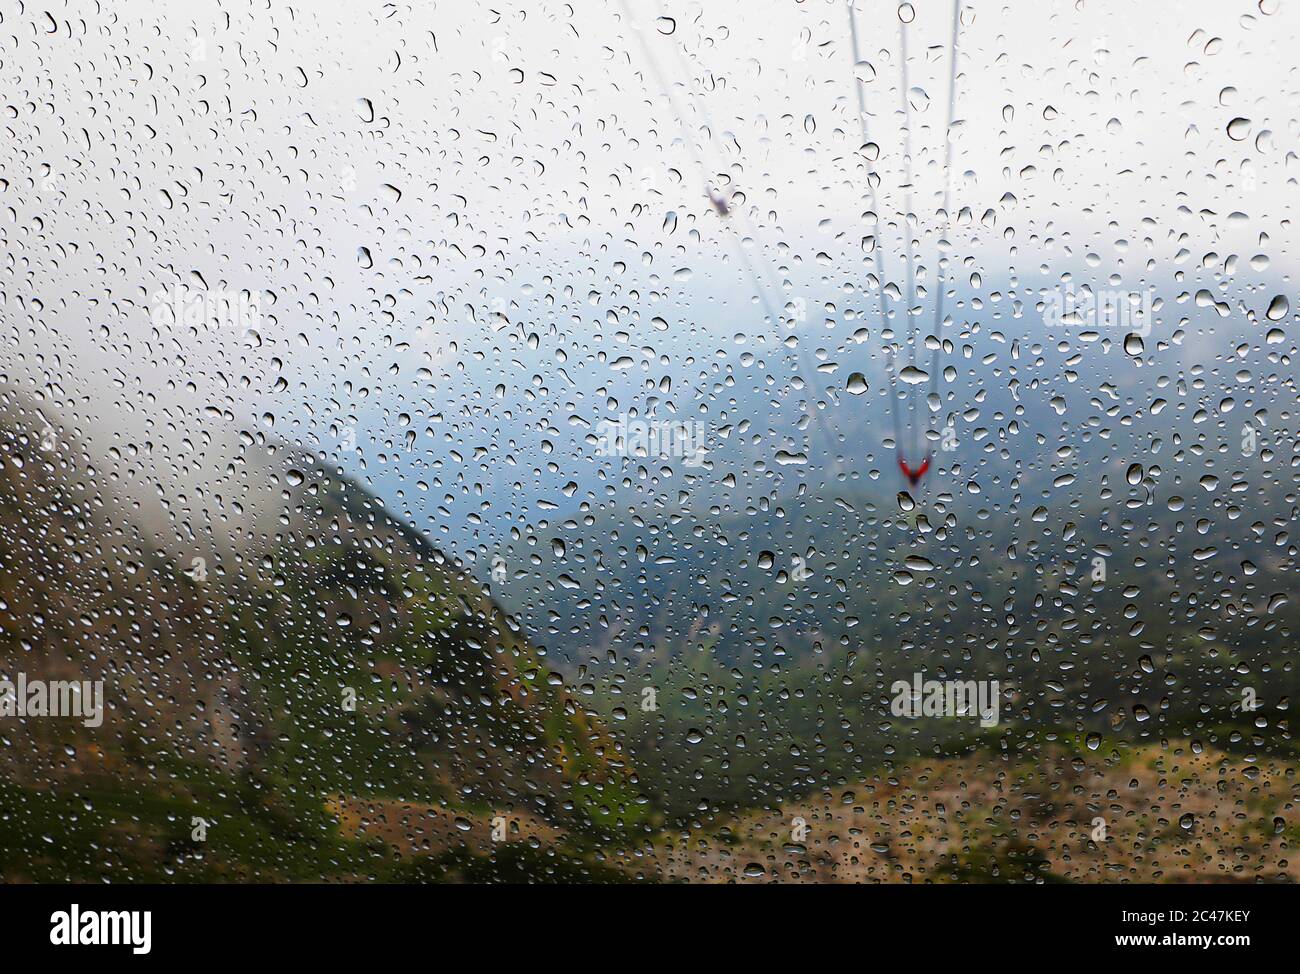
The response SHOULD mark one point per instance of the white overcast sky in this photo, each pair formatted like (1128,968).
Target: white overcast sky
(522,149)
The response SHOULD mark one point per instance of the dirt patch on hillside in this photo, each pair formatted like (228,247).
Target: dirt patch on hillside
(1157,814)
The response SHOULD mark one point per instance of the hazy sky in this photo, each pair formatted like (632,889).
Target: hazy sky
(386,177)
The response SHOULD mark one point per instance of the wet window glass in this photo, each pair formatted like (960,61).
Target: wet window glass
(629,441)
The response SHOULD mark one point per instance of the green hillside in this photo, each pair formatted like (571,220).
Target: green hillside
(326,658)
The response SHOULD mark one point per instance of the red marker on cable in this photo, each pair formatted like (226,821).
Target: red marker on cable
(913,476)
